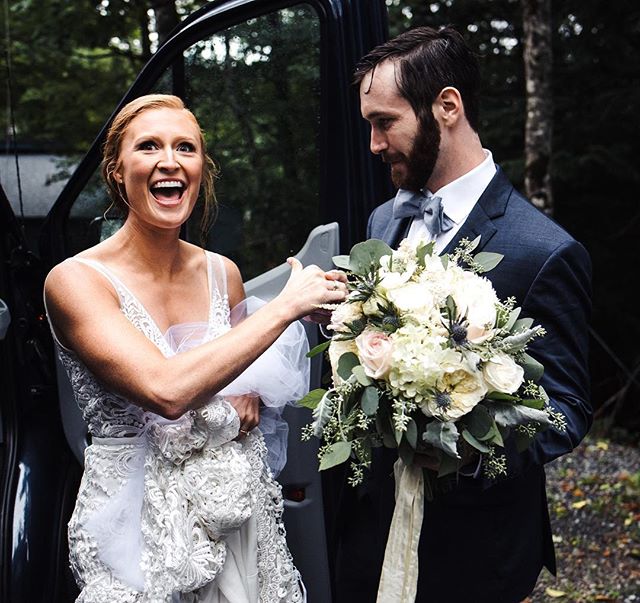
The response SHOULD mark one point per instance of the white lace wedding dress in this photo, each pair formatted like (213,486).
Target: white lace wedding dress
(175,511)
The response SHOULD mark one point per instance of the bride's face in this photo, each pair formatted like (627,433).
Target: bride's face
(160,167)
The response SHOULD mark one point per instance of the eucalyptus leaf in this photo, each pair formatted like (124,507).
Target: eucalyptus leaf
(517,342)
(523,324)
(312,399)
(513,317)
(367,254)
(487,260)
(411,434)
(336,454)
(496,437)
(406,452)
(479,422)
(445,260)
(510,415)
(466,434)
(442,435)
(423,252)
(537,403)
(369,401)
(361,376)
(533,370)
(346,363)
(474,243)
(321,347)
(501,396)
(341,261)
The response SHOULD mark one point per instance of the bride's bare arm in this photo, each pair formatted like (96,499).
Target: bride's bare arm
(85,312)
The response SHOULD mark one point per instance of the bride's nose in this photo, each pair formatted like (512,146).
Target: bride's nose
(168,160)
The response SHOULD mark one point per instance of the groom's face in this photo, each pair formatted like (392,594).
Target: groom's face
(408,144)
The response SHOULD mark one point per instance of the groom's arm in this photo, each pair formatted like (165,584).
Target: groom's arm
(560,300)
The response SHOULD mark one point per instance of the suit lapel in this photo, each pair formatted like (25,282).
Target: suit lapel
(395,231)
(492,204)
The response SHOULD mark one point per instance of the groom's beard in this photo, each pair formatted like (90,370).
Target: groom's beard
(420,162)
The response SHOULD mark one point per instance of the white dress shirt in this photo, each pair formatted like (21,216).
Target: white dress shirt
(458,198)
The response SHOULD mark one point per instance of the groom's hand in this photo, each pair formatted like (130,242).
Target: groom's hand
(430,457)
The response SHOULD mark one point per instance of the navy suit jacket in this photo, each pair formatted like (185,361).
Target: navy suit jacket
(482,542)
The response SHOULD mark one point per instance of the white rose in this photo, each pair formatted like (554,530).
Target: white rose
(502,374)
(374,350)
(476,300)
(346,312)
(458,393)
(411,297)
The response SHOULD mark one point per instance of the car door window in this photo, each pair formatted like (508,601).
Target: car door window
(255,89)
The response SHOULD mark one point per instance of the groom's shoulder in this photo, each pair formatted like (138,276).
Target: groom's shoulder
(379,218)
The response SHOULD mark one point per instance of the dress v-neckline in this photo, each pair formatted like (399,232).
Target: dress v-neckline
(118,283)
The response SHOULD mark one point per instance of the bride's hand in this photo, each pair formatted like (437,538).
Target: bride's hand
(248,408)
(310,287)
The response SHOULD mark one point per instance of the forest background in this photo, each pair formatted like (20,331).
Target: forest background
(559,111)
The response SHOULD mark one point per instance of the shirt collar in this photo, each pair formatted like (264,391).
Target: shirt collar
(460,195)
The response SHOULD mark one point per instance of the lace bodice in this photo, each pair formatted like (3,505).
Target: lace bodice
(163,502)
(111,416)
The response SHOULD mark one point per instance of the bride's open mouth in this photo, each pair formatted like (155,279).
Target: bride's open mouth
(168,192)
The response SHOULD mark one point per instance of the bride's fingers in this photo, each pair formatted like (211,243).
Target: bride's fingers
(295,263)
(336,275)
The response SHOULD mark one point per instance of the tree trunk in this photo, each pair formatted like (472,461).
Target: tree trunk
(166,18)
(536,18)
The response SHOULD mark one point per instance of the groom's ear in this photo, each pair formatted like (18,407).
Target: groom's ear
(448,108)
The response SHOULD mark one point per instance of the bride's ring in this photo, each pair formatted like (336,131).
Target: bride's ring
(335,286)
(244,431)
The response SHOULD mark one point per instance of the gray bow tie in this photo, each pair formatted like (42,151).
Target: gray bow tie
(411,204)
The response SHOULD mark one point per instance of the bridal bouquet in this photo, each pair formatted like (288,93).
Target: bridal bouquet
(425,356)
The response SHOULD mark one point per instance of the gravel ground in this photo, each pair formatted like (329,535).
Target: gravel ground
(594,503)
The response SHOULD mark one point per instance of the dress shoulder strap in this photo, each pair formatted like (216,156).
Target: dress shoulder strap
(217,274)
(117,284)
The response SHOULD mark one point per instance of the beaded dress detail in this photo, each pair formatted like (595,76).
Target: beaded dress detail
(174,510)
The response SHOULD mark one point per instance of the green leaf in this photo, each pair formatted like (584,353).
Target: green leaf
(524,324)
(533,370)
(367,254)
(322,413)
(445,260)
(466,434)
(411,434)
(346,363)
(312,399)
(341,261)
(513,317)
(443,436)
(487,260)
(334,455)
(474,243)
(361,376)
(537,403)
(369,401)
(321,347)
(479,422)
(496,436)
(423,252)
(510,415)
(500,396)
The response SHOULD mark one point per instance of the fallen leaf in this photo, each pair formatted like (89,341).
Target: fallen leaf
(556,594)
(602,445)
(577,492)
(580,504)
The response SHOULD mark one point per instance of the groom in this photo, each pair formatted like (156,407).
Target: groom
(480,541)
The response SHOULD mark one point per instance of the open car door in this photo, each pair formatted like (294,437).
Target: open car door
(269,81)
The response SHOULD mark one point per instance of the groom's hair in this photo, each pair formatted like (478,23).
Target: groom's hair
(429,60)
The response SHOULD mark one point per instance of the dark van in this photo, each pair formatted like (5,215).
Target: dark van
(269,80)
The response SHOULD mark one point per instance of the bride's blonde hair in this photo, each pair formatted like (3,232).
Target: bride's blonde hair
(111,153)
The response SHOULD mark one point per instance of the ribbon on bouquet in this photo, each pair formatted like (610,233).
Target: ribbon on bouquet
(399,578)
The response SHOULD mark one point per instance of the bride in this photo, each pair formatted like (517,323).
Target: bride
(176,501)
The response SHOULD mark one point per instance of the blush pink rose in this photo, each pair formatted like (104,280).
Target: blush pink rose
(374,350)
